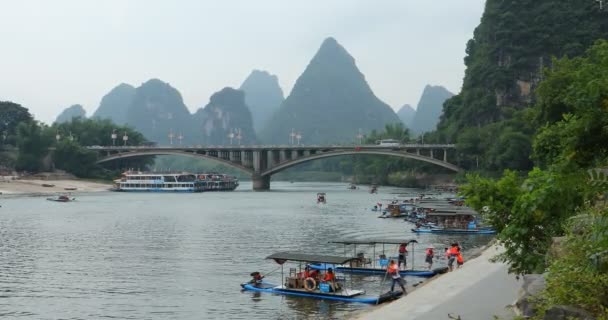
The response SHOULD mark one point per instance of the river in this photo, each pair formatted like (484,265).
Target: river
(183,256)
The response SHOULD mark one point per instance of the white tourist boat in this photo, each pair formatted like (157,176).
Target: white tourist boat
(160,182)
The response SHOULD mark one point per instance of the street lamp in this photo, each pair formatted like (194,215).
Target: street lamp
(360,137)
(292,135)
(239,136)
(298,137)
(114,136)
(125,138)
(180,137)
(231,136)
(171,135)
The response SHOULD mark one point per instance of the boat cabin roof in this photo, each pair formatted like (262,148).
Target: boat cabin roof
(321,193)
(281,257)
(374,241)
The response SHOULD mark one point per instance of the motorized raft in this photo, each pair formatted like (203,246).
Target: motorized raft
(62,198)
(321,197)
(360,264)
(298,284)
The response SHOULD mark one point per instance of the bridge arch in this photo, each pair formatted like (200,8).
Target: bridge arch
(131,154)
(285,165)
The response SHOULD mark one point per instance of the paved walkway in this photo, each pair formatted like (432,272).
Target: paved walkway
(479,290)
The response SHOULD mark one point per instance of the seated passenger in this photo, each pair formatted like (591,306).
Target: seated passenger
(330,278)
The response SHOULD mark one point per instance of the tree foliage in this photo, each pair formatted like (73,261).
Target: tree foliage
(11,115)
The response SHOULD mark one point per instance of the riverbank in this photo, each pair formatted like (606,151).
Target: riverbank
(34,187)
(479,290)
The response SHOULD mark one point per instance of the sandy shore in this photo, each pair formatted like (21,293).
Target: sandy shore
(479,290)
(34,187)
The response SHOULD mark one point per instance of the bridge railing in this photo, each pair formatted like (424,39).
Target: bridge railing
(338,147)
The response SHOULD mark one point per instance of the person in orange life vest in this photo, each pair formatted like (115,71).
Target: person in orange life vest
(453,253)
(402,255)
(429,256)
(459,259)
(329,275)
(393,270)
(314,274)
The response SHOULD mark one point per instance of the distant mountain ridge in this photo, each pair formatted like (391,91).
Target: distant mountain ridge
(429,109)
(116,103)
(329,102)
(406,114)
(225,113)
(71,112)
(263,95)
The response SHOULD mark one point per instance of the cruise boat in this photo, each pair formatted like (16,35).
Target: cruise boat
(218,181)
(159,182)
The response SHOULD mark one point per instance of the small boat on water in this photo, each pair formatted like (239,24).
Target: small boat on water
(321,197)
(297,284)
(70,188)
(352,186)
(360,264)
(374,189)
(48,185)
(61,198)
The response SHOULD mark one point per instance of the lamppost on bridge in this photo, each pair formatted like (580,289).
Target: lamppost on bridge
(360,137)
(292,136)
(114,136)
(171,136)
(125,137)
(231,136)
(299,137)
(239,136)
(180,138)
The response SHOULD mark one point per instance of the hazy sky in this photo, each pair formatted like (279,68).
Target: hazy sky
(57,53)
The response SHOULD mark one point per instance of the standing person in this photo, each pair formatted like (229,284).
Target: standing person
(452,253)
(393,270)
(459,259)
(402,255)
(429,256)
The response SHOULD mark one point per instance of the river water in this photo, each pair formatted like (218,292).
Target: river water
(183,256)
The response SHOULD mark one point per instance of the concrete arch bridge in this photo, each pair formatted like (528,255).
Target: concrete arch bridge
(261,162)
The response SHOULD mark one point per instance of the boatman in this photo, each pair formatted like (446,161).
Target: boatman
(429,256)
(393,270)
(402,255)
(452,254)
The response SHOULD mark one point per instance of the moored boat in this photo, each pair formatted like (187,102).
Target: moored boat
(455,231)
(297,284)
(174,182)
(363,265)
(61,198)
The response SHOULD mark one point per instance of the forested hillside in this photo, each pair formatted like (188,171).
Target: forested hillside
(514,42)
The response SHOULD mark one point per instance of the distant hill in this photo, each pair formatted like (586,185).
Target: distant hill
(429,108)
(329,102)
(406,114)
(157,109)
(226,112)
(263,95)
(115,104)
(74,111)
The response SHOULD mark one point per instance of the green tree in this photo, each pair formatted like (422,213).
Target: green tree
(33,145)
(11,115)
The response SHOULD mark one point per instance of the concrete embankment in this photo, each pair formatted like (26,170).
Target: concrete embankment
(479,290)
